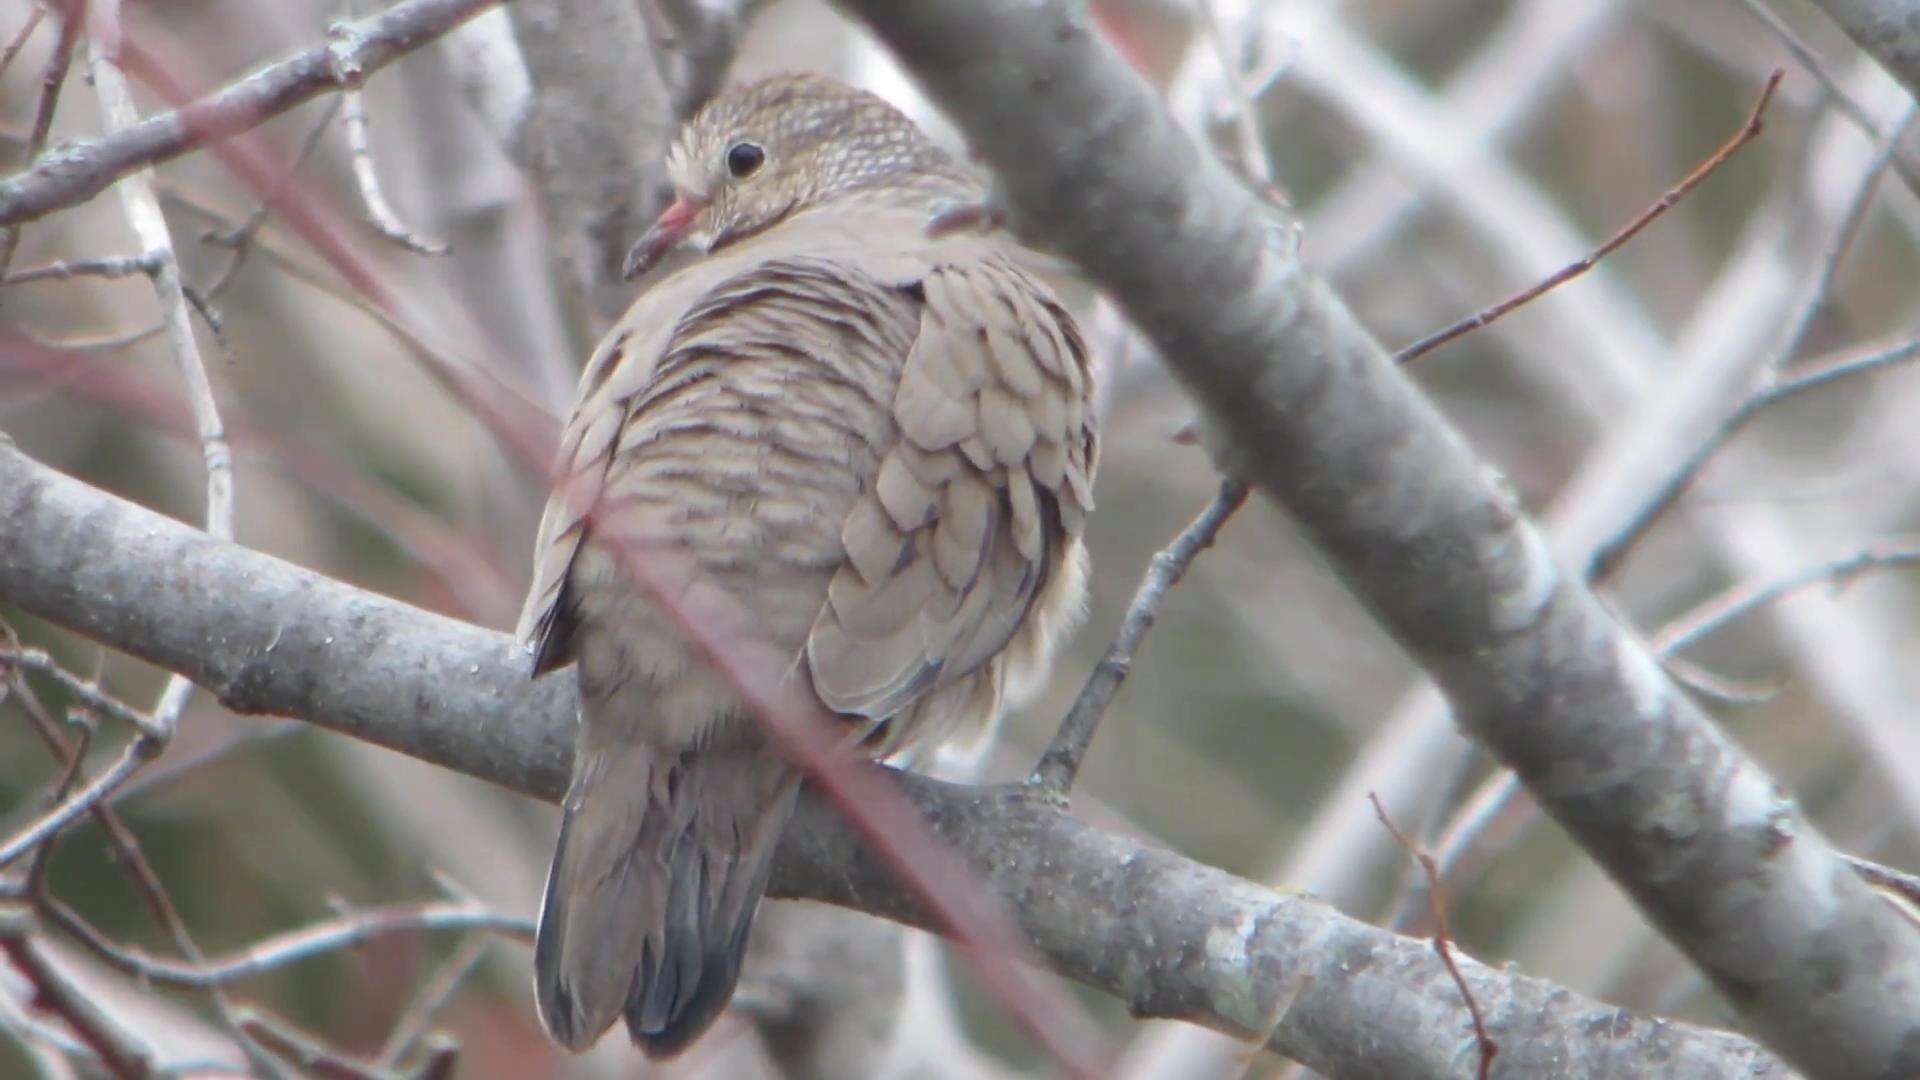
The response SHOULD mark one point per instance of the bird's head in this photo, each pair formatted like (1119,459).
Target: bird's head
(758,154)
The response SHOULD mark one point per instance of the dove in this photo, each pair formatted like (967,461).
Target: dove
(877,437)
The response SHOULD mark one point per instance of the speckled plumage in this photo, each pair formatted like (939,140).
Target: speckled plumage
(877,440)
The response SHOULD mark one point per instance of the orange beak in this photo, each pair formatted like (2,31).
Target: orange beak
(668,230)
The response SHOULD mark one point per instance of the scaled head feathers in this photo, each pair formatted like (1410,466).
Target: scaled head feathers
(757,154)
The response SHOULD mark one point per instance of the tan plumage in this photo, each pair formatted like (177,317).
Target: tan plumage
(876,439)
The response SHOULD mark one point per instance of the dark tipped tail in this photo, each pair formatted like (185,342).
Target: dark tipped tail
(661,862)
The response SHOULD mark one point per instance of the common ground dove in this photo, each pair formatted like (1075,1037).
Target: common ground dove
(876,436)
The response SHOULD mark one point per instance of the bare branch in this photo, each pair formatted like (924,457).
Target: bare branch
(20,39)
(267,637)
(1609,554)
(77,172)
(334,935)
(135,754)
(367,178)
(149,226)
(1748,132)
(84,689)
(1683,632)
(1055,772)
(1442,938)
(310,1055)
(107,266)
(118,1050)
(52,78)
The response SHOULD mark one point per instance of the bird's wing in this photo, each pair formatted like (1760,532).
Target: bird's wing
(618,370)
(972,508)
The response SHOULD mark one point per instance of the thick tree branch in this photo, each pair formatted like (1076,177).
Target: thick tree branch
(1168,935)
(1705,842)
(71,174)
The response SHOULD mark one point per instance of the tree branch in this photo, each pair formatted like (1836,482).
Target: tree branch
(1168,935)
(72,174)
(1315,414)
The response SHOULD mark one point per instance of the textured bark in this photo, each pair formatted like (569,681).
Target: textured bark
(1169,936)
(1712,850)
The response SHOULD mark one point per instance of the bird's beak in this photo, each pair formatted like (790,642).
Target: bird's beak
(668,230)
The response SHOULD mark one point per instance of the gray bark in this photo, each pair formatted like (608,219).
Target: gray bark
(1169,936)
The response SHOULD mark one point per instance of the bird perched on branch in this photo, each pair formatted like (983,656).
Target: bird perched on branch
(876,436)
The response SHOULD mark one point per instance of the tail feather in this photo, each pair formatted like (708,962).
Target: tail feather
(662,860)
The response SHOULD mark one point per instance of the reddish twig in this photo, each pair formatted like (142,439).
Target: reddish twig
(311,1056)
(1747,133)
(119,1052)
(20,39)
(1442,940)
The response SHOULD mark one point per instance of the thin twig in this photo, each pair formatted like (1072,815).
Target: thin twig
(1735,603)
(84,689)
(1437,903)
(52,78)
(107,266)
(119,1051)
(20,39)
(1898,882)
(1848,106)
(294,946)
(1608,555)
(367,178)
(85,169)
(62,790)
(149,224)
(1741,693)
(1060,764)
(1255,158)
(174,768)
(1466,834)
(310,1055)
(131,757)
(429,1000)
(1747,133)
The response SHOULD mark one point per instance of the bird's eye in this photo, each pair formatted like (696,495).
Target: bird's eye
(744,159)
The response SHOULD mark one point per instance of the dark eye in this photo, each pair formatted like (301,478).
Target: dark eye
(744,159)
